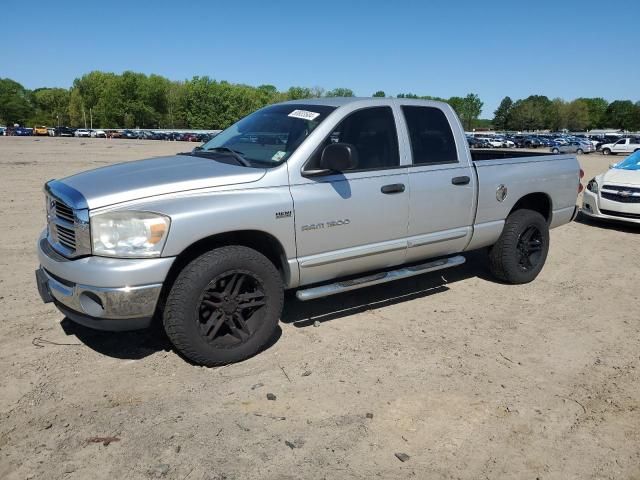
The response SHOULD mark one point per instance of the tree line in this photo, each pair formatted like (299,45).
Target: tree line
(136,100)
(538,112)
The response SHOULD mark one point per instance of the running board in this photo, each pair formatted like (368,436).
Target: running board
(382,277)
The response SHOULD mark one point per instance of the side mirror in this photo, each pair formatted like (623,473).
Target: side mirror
(339,157)
(612,165)
(198,148)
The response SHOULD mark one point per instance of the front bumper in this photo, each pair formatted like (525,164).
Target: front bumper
(102,293)
(596,207)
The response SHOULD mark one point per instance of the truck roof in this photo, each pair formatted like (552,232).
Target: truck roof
(340,101)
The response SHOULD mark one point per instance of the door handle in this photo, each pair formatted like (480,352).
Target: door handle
(393,188)
(460,180)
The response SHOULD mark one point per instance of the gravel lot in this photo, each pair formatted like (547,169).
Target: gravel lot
(469,378)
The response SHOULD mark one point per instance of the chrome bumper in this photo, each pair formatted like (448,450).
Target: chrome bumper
(99,302)
(108,305)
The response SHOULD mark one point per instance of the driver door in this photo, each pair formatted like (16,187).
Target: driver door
(354,221)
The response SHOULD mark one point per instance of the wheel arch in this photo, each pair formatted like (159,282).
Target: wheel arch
(538,201)
(258,240)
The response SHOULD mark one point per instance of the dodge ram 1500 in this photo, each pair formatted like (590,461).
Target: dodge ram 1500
(319,195)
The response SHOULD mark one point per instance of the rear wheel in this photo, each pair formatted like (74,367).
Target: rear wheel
(521,251)
(555,150)
(579,151)
(224,306)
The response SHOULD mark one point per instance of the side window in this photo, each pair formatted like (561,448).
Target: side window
(431,136)
(372,131)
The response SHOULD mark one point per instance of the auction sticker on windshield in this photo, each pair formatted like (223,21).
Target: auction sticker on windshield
(304,114)
(279,155)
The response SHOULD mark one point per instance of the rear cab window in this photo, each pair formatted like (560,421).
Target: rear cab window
(430,135)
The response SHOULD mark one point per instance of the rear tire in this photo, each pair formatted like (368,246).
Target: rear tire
(579,151)
(555,150)
(521,251)
(224,306)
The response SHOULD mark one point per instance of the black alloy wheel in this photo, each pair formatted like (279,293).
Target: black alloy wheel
(229,308)
(529,248)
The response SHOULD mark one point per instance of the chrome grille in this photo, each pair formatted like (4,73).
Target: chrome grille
(64,212)
(66,236)
(67,220)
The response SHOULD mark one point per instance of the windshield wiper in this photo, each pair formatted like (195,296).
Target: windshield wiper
(234,153)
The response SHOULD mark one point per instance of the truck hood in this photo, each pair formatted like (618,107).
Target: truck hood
(619,176)
(157,176)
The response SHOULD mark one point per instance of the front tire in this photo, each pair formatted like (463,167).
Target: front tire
(224,306)
(521,251)
(606,151)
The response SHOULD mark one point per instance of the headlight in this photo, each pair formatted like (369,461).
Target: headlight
(592,186)
(129,234)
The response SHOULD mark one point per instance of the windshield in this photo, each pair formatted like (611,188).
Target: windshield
(632,162)
(270,135)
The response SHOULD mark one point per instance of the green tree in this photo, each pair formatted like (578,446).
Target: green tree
(577,115)
(597,108)
(15,106)
(379,93)
(51,106)
(296,93)
(532,113)
(622,114)
(467,108)
(340,92)
(501,114)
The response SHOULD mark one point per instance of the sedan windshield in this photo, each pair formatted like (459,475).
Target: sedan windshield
(632,162)
(269,136)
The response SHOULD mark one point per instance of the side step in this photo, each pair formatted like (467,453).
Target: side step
(382,277)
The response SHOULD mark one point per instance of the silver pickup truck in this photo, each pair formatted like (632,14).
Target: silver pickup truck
(320,195)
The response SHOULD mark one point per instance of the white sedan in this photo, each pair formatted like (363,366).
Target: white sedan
(82,132)
(615,194)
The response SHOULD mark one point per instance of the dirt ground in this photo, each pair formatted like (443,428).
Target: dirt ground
(469,378)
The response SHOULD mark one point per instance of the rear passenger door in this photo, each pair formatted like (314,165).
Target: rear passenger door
(441,182)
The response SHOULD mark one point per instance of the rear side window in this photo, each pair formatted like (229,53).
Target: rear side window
(372,131)
(431,136)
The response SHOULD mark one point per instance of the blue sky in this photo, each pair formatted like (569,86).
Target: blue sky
(559,49)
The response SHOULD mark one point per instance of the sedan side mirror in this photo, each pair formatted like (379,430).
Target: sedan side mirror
(339,157)
(612,165)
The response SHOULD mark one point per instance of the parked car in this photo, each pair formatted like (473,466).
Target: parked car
(209,240)
(63,132)
(573,147)
(82,132)
(475,142)
(113,134)
(129,134)
(615,194)
(531,142)
(624,145)
(506,143)
(494,142)
(98,134)
(3,131)
(19,131)
(40,130)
